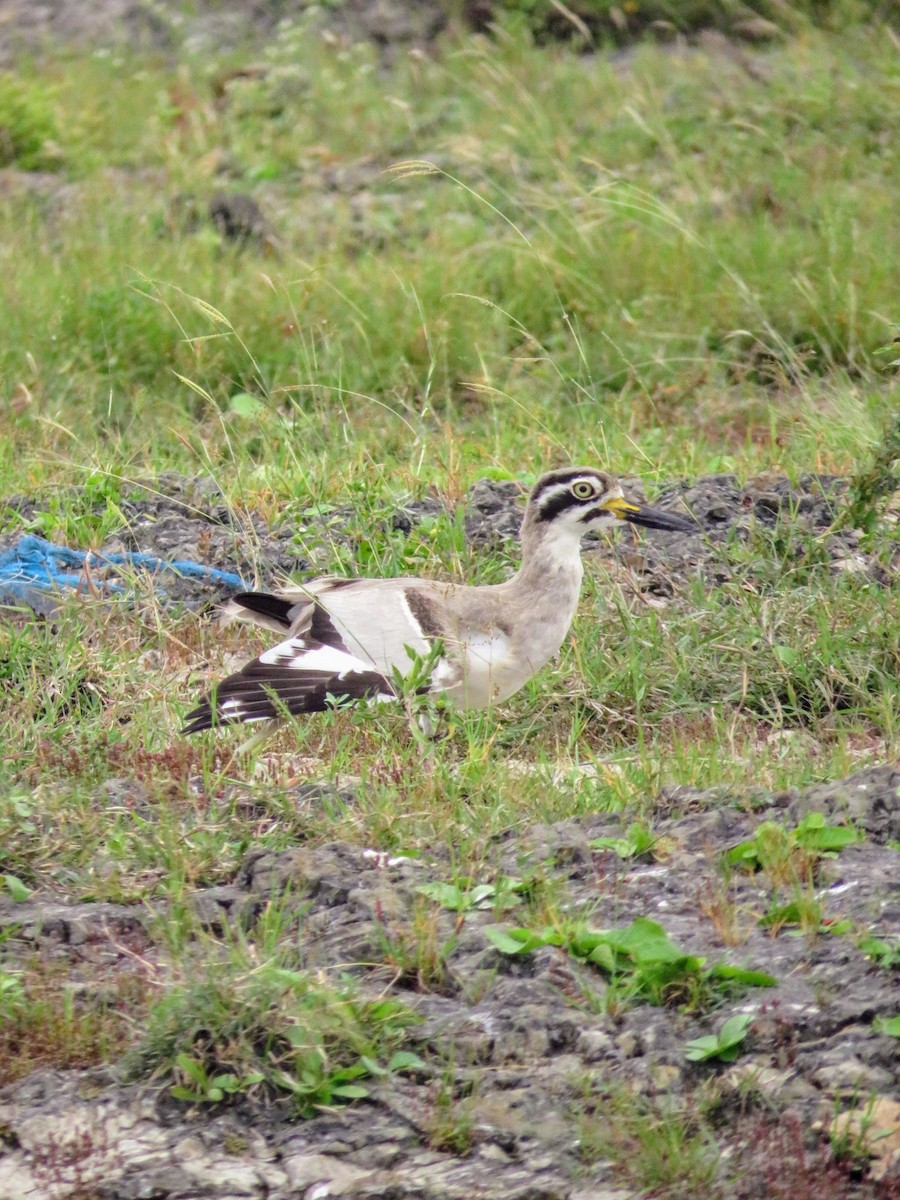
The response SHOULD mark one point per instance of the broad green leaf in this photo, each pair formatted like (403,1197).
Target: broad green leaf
(701,1048)
(350,1091)
(356,1071)
(886,954)
(730,1053)
(813,820)
(242,404)
(814,834)
(448,895)
(228,1083)
(618,845)
(735,1029)
(16,888)
(604,957)
(297,1087)
(638,840)
(744,854)
(725,1044)
(584,942)
(513,941)
(786,655)
(191,1068)
(643,935)
(405,1060)
(742,975)
(372,1067)
(836,928)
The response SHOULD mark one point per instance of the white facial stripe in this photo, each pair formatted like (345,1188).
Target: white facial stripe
(558,500)
(558,489)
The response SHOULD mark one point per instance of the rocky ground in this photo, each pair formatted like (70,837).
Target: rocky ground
(207,26)
(535,1041)
(26,26)
(177,518)
(529,1035)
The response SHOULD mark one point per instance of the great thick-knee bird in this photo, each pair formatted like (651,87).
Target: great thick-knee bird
(345,639)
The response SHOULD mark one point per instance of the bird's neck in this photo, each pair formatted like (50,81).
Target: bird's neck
(551,565)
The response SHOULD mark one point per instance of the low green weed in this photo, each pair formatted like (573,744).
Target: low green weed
(665,1146)
(851,1131)
(792,855)
(199,1088)
(416,948)
(465,894)
(873,487)
(84,517)
(806,911)
(639,842)
(725,1044)
(255,1029)
(639,960)
(449,1123)
(45,1021)
(885,952)
(826,651)
(12,994)
(584,21)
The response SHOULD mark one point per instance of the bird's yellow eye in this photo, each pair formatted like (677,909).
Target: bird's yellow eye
(583,490)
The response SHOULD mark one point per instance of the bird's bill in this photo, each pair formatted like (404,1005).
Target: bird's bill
(653,518)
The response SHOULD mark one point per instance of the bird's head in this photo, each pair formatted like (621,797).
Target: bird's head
(580,500)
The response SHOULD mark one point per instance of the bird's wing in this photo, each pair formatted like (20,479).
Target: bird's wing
(345,640)
(373,618)
(382,621)
(280,610)
(299,675)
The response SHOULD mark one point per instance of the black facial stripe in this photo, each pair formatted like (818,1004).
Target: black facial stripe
(593,513)
(554,505)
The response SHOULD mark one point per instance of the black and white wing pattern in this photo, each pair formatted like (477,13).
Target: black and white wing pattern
(311,670)
(342,640)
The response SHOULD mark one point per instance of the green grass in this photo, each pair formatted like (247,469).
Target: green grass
(490,261)
(242,1021)
(657,1145)
(50,1020)
(665,246)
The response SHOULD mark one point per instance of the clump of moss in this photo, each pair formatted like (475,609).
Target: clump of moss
(873,488)
(27,127)
(623,22)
